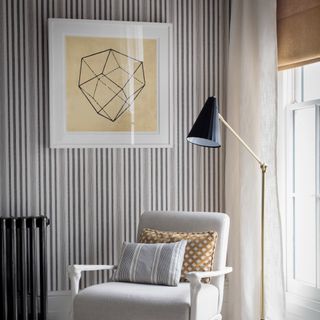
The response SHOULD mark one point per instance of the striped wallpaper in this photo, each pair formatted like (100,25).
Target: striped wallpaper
(94,196)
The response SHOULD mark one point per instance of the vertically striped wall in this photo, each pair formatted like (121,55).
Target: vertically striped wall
(94,196)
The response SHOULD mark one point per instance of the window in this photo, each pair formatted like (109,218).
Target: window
(299,127)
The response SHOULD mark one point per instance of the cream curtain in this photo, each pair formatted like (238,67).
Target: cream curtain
(251,110)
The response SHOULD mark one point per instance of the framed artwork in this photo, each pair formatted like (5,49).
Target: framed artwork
(110,84)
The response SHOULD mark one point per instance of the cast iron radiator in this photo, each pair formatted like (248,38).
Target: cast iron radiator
(23,261)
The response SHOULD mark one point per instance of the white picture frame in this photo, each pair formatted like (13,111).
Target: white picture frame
(62,137)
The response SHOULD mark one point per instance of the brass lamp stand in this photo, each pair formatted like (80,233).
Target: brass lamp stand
(206,132)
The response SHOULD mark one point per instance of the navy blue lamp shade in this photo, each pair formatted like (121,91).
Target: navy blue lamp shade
(206,129)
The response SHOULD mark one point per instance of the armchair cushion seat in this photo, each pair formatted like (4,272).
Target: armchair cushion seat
(131,301)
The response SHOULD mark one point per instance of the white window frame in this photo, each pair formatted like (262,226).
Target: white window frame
(303,302)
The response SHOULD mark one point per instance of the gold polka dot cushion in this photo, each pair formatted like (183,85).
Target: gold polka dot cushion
(199,253)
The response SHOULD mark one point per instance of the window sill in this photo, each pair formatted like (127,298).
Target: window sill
(299,307)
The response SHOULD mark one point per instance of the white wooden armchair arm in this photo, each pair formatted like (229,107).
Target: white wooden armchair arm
(74,272)
(196,287)
(196,276)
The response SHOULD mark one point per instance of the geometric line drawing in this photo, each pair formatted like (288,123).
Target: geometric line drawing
(111,81)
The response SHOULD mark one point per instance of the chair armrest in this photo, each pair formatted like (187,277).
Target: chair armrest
(90,267)
(196,287)
(198,275)
(74,272)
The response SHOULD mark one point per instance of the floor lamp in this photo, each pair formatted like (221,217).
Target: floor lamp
(206,133)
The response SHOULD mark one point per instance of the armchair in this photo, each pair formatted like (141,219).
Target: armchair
(131,301)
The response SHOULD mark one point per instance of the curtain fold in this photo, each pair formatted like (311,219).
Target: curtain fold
(251,110)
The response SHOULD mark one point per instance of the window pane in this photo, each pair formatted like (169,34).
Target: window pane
(304,188)
(311,81)
(305,240)
(304,151)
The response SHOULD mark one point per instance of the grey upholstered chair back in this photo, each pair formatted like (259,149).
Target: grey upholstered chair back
(193,222)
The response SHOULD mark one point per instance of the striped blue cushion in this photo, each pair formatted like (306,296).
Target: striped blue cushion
(158,263)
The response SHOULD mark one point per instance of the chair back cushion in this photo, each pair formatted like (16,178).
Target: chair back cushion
(193,222)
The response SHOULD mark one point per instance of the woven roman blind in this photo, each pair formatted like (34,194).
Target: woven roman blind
(298,32)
